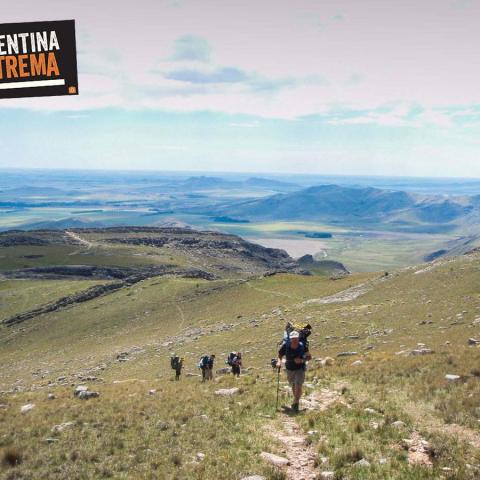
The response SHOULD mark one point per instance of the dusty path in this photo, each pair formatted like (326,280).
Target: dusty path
(348,294)
(182,316)
(300,455)
(78,239)
(271,292)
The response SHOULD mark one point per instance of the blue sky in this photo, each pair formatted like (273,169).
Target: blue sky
(373,87)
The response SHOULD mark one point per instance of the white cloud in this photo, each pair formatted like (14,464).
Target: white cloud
(288,59)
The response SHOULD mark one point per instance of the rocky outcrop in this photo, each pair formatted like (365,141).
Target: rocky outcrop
(256,258)
(99,272)
(329,268)
(212,244)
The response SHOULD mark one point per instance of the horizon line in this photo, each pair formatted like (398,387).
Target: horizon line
(227,172)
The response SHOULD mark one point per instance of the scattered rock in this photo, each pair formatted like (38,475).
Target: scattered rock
(398,424)
(473,341)
(79,389)
(122,356)
(87,395)
(356,363)
(200,456)
(162,426)
(51,440)
(325,362)
(275,460)
(327,476)
(254,477)
(452,378)
(225,392)
(419,450)
(421,351)
(362,463)
(26,408)
(346,354)
(51,396)
(152,392)
(62,427)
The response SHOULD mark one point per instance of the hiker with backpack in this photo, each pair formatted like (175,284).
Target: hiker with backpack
(206,366)
(177,364)
(235,361)
(295,350)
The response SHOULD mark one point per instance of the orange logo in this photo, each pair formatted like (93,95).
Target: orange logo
(72,90)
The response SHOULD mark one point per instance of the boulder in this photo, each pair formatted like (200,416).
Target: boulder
(62,426)
(26,408)
(79,389)
(275,460)
(452,378)
(327,476)
(85,395)
(362,463)
(226,392)
(254,477)
(473,341)
(421,351)
(346,354)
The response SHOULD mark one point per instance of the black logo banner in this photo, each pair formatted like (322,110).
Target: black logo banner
(38,59)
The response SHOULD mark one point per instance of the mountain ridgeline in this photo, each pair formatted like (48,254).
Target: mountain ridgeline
(354,206)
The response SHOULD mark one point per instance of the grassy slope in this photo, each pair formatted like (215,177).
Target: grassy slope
(17,296)
(120,433)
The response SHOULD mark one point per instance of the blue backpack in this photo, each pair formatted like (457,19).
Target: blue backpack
(203,362)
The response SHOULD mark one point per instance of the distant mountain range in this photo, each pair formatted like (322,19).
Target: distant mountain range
(366,206)
(209,183)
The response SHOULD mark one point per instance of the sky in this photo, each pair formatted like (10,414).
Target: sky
(357,87)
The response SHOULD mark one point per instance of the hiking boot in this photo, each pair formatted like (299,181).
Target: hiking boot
(295,407)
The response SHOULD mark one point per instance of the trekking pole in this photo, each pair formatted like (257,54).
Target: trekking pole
(278,387)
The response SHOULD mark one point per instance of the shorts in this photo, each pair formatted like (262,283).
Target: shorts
(296,377)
